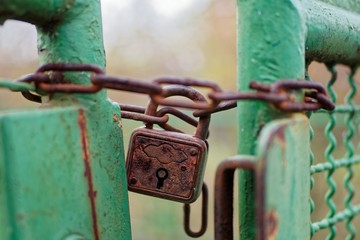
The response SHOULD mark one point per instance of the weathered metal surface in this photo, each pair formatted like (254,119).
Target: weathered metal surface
(224,193)
(179,157)
(16,86)
(77,183)
(350,5)
(333,34)
(51,78)
(282,183)
(173,111)
(283,180)
(271,37)
(282,95)
(37,12)
(144,118)
(137,113)
(204,215)
(190,93)
(52,184)
(190,82)
(88,173)
(166,164)
(223,106)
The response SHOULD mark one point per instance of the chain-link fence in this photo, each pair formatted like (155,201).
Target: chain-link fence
(335,157)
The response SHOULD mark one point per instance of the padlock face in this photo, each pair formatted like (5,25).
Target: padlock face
(166,164)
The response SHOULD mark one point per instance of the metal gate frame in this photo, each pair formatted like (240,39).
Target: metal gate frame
(277,40)
(74,188)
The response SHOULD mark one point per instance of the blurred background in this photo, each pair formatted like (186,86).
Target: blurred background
(197,38)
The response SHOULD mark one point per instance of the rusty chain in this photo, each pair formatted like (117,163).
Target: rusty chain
(283,95)
(49,79)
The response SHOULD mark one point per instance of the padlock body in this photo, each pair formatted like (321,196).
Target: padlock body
(166,164)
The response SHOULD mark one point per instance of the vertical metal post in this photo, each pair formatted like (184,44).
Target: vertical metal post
(75,143)
(271,40)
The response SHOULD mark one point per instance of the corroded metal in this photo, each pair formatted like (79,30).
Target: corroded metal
(73,144)
(270,46)
(282,172)
(57,83)
(224,193)
(204,215)
(144,118)
(178,114)
(167,164)
(125,84)
(88,172)
(281,95)
(190,82)
(137,113)
(181,156)
(204,122)
(223,106)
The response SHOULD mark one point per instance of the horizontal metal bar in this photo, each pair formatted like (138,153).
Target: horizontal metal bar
(34,11)
(333,34)
(339,217)
(16,86)
(350,5)
(338,164)
(342,109)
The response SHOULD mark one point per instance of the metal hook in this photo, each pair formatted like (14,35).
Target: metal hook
(204,215)
(224,193)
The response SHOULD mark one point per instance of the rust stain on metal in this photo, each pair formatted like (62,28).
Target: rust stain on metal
(195,96)
(119,121)
(20,217)
(281,96)
(152,152)
(261,185)
(272,224)
(88,173)
(115,118)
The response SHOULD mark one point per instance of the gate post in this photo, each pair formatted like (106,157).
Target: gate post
(271,46)
(65,176)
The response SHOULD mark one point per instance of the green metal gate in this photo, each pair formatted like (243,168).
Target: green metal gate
(277,40)
(79,183)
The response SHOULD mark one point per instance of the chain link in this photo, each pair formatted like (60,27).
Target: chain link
(50,79)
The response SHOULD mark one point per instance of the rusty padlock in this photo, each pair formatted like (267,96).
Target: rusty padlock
(165,164)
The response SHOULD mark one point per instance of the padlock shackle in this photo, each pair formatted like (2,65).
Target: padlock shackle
(177,90)
(179,114)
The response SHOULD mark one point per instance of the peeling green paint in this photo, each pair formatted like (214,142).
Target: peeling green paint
(34,11)
(333,34)
(283,179)
(271,36)
(65,176)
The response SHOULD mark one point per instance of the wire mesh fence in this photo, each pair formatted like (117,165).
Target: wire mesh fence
(335,156)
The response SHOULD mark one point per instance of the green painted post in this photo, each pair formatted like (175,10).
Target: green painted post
(271,46)
(283,179)
(332,33)
(62,171)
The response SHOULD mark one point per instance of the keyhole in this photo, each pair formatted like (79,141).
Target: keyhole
(161,175)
